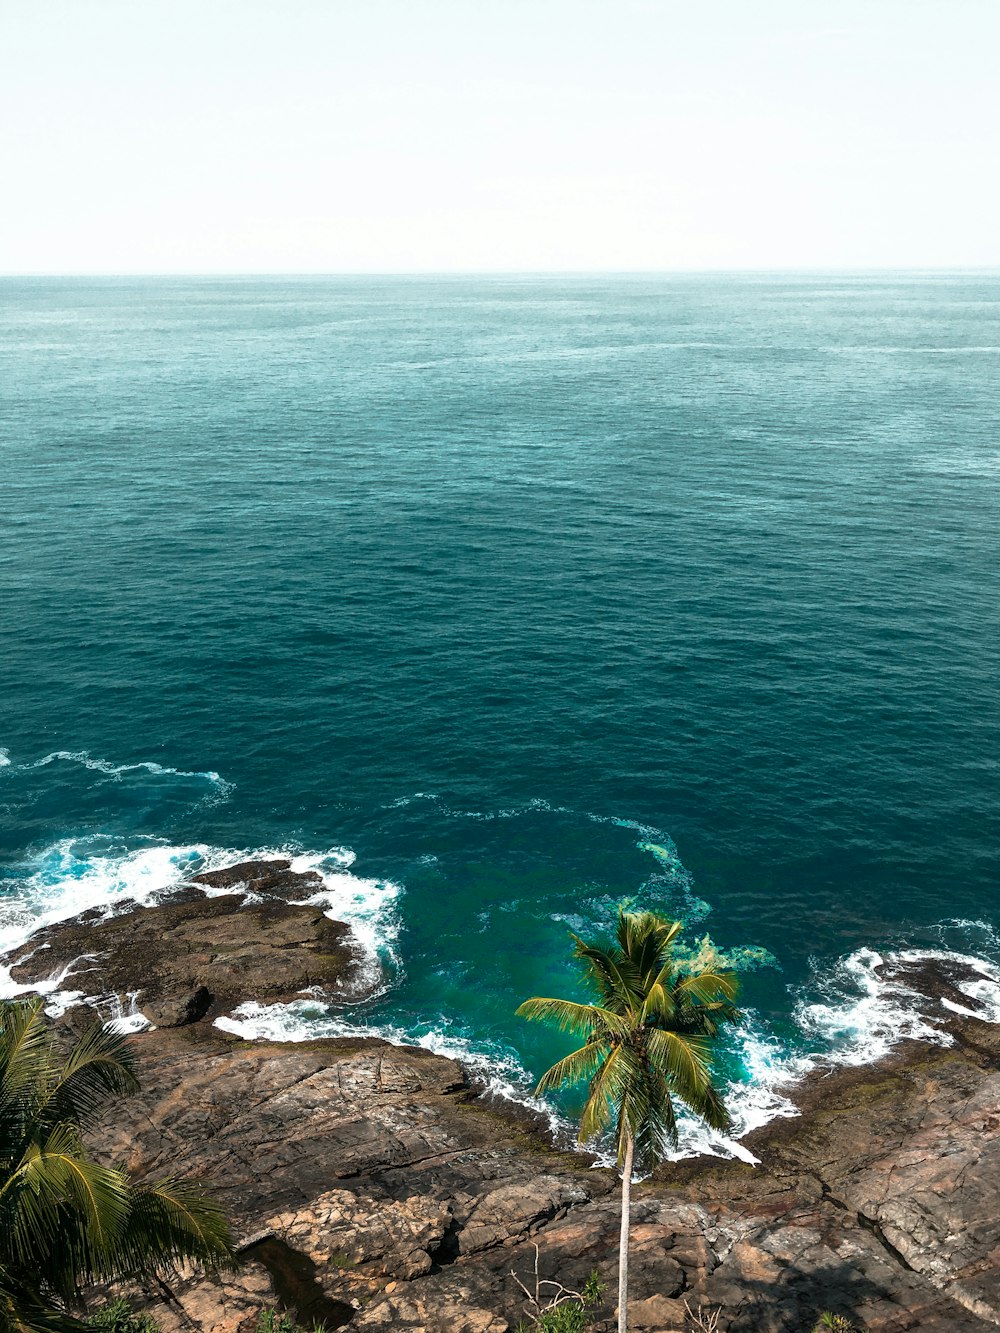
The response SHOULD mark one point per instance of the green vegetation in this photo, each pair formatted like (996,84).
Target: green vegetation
(553,1308)
(66,1221)
(568,1318)
(280,1321)
(647,1040)
(118,1317)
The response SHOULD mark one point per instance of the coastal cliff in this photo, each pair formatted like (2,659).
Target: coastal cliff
(374,1186)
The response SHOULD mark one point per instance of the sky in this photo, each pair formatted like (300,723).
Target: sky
(337,136)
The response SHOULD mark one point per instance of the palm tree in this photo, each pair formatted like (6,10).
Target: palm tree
(66,1221)
(646,1040)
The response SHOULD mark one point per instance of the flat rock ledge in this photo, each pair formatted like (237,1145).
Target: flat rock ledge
(371,1189)
(226,937)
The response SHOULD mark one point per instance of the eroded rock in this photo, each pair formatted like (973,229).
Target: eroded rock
(194,956)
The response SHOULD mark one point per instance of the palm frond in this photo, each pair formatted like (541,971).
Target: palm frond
(659,1004)
(169,1222)
(648,1041)
(613,975)
(65,1220)
(583,1020)
(25,1044)
(100,1066)
(707,1103)
(573,1068)
(23,1310)
(707,987)
(682,1060)
(598,1111)
(61,1211)
(646,937)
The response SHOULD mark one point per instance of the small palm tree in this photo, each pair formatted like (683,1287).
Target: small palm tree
(646,1040)
(65,1221)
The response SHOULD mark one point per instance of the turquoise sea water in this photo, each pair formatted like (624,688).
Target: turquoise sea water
(485,582)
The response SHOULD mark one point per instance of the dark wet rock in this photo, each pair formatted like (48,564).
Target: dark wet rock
(939,980)
(177,1009)
(195,956)
(396,1194)
(273,878)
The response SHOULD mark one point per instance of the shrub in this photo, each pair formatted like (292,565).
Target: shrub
(118,1317)
(280,1321)
(563,1311)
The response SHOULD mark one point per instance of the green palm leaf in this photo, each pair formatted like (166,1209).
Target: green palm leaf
(62,1212)
(22,1312)
(100,1066)
(647,1042)
(170,1222)
(574,1068)
(65,1220)
(583,1020)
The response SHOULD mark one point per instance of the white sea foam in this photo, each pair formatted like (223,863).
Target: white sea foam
(771,1072)
(503,1075)
(864,1013)
(126,1018)
(114,770)
(858,1018)
(73,876)
(220,787)
(4,758)
(68,878)
(369,906)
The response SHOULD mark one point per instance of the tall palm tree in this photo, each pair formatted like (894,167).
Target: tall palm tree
(66,1221)
(646,1040)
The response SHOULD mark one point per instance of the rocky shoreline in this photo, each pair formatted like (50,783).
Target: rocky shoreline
(372,1187)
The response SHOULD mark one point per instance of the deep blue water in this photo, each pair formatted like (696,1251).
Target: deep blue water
(489,580)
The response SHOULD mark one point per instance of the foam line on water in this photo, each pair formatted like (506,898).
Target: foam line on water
(114,770)
(537,805)
(220,788)
(223,788)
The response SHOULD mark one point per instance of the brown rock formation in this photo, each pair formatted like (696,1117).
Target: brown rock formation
(370,1186)
(195,956)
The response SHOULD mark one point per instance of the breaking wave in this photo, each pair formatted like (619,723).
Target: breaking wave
(94,873)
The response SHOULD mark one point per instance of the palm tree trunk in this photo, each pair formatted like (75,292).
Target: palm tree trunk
(623,1242)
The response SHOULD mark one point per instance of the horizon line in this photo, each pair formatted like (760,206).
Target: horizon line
(973,269)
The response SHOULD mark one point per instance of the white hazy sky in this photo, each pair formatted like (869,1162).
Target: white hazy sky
(411,135)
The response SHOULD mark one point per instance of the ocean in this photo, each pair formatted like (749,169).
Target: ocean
(503,600)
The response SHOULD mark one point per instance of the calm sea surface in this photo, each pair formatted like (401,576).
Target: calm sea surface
(486,582)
